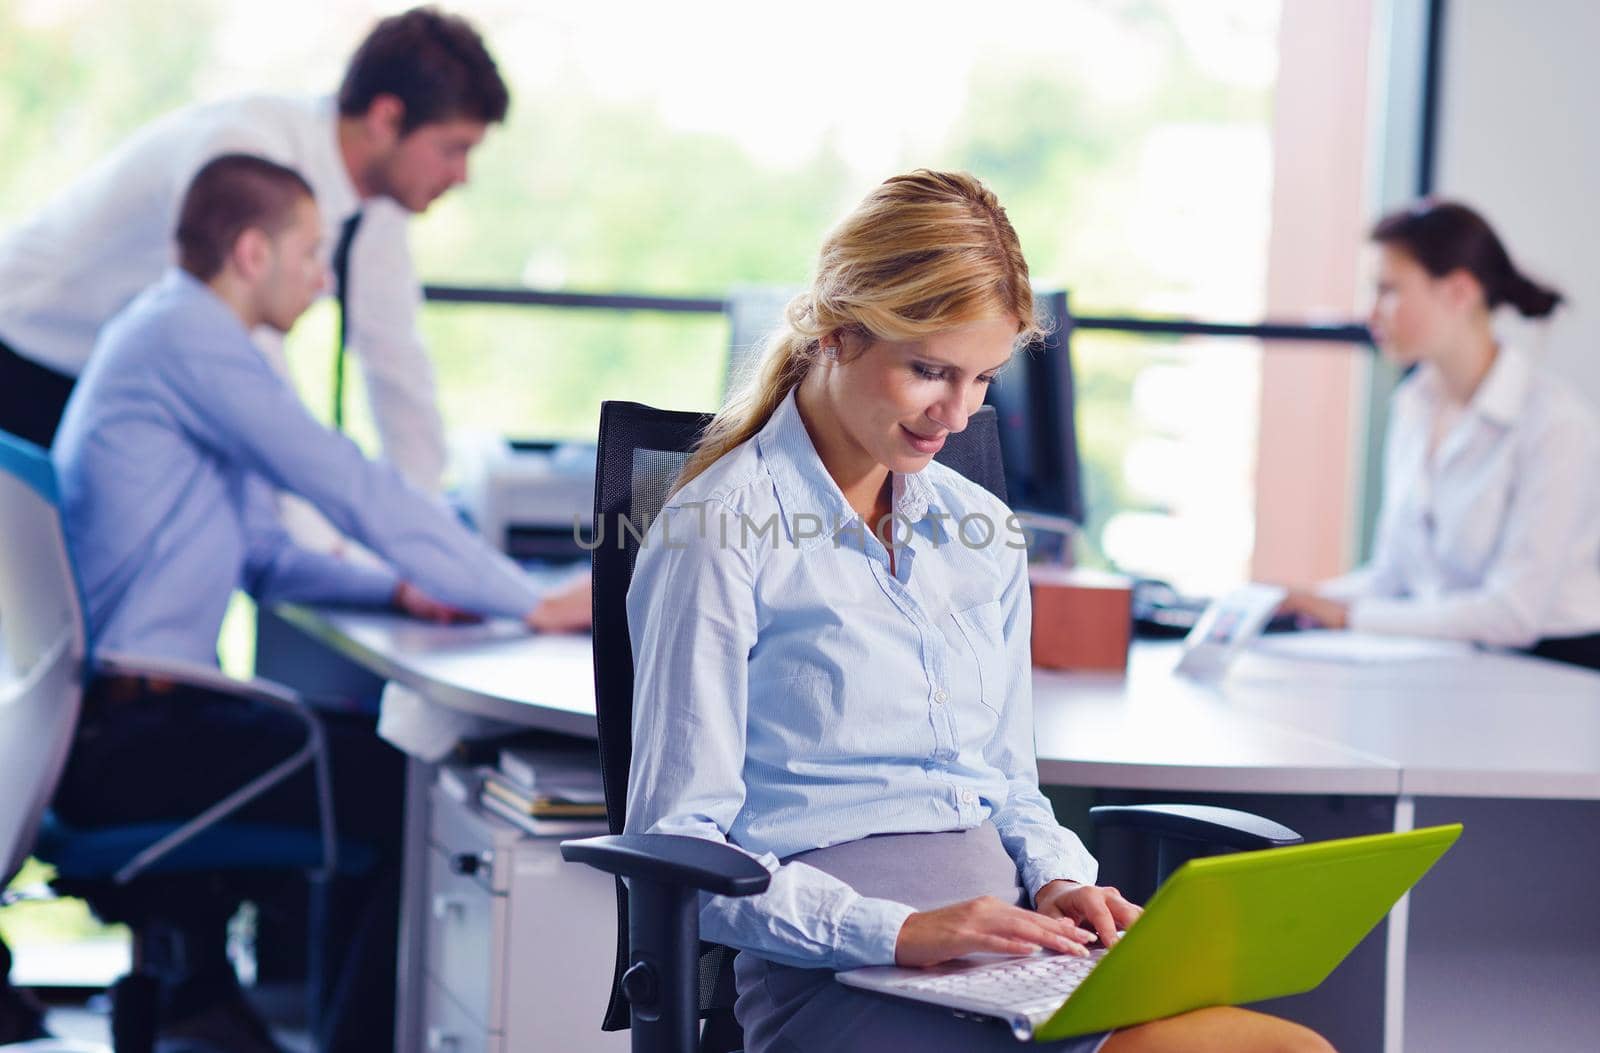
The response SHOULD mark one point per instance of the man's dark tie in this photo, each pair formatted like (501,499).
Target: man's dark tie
(341,280)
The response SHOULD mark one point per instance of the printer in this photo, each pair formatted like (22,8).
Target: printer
(533,500)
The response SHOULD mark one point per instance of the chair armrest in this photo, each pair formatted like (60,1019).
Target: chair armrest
(665,874)
(1224,827)
(672,859)
(193,674)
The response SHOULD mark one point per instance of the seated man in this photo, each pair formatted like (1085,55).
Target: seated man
(169,454)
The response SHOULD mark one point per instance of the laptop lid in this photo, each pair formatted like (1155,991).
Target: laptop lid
(1228,930)
(1226,627)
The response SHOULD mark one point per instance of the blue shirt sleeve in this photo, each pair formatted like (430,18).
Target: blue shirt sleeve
(1043,849)
(692,618)
(230,400)
(277,569)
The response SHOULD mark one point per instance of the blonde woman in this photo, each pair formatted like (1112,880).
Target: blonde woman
(830,635)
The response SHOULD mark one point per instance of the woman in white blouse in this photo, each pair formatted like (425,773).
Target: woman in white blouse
(1490,524)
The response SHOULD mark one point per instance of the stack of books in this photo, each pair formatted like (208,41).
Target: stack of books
(546,791)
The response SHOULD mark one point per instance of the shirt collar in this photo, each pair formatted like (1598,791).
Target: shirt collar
(183,285)
(805,487)
(1501,393)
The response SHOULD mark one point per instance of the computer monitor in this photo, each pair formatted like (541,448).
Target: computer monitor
(1034,400)
(754,312)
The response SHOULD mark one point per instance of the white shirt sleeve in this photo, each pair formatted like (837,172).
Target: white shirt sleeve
(1555,456)
(384,299)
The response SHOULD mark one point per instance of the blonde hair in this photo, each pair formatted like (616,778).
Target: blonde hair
(925,252)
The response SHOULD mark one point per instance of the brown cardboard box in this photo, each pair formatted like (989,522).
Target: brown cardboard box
(1082,619)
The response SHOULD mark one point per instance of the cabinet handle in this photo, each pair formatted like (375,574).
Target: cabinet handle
(469,863)
(440,1041)
(444,906)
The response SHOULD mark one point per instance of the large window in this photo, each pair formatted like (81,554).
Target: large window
(690,149)
(680,149)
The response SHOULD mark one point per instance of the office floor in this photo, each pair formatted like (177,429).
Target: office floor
(87,1019)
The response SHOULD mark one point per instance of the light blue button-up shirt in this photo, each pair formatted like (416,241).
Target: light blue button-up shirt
(173,443)
(791,692)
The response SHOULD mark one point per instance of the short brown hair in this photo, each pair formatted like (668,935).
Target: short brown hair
(435,64)
(231,194)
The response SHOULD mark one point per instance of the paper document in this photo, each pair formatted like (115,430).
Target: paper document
(1353,648)
(428,730)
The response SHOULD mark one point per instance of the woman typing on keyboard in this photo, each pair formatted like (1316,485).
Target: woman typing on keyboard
(831,641)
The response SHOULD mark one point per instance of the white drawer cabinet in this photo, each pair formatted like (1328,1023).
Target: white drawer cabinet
(519,944)
(465,920)
(450,1028)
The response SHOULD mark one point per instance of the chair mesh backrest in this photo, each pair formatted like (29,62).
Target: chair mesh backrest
(42,647)
(641,450)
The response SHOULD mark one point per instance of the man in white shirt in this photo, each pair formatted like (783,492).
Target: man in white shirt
(417,97)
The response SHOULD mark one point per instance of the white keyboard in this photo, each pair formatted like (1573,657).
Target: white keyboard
(1028,986)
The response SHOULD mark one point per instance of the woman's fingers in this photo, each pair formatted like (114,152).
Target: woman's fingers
(985,925)
(1097,916)
(1124,912)
(1062,935)
(1001,945)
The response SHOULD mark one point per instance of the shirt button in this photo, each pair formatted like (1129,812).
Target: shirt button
(940,697)
(968,796)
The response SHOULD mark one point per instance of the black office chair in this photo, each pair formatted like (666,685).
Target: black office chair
(666,980)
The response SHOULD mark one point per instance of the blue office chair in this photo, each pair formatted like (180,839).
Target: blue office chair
(666,980)
(159,878)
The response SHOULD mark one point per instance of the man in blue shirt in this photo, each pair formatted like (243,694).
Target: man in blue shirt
(171,452)
(173,444)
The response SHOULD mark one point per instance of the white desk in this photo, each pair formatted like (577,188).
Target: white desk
(1495,725)
(1509,744)
(497,670)
(1500,946)
(492,669)
(1490,725)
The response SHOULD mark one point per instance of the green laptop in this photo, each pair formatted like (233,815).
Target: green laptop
(1223,930)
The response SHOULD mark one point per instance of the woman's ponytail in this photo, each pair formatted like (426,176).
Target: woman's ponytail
(1531,299)
(1446,236)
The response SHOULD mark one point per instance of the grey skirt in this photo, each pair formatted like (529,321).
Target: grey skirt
(787,1010)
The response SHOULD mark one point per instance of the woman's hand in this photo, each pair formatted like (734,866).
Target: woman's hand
(1097,907)
(567,609)
(984,924)
(1330,614)
(413,601)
